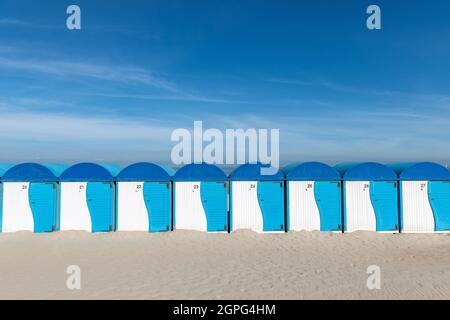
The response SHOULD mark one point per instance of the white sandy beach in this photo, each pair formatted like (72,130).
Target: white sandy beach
(243,265)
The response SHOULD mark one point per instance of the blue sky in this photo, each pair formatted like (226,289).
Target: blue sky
(137,70)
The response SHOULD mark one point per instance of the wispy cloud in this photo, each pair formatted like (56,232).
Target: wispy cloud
(26,103)
(181,97)
(69,138)
(13,22)
(353,135)
(122,74)
(345,88)
(314,83)
(125,75)
(356,135)
(67,127)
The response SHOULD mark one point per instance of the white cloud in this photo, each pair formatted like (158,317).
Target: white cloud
(182,97)
(332,138)
(20,23)
(123,74)
(50,127)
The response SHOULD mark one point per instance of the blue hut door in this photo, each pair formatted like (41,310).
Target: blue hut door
(384,200)
(439,195)
(271,202)
(214,200)
(1,206)
(328,199)
(99,196)
(42,198)
(157,201)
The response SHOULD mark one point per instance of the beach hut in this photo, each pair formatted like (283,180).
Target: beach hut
(3,168)
(201,198)
(370,197)
(87,197)
(257,200)
(424,197)
(29,198)
(314,197)
(144,198)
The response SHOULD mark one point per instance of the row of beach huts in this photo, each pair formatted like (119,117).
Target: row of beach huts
(406,197)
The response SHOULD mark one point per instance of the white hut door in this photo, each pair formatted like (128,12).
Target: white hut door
(75,213)
(245,206)
(360,214)
(17,214)
(303,211)
(132,214)
(189,212)
(416,209)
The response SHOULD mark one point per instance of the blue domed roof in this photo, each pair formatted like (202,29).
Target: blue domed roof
(372,171)
(200,172)
(145,171)
(421,171)
(311,171)
(87,171)
(30,172)
(253,171)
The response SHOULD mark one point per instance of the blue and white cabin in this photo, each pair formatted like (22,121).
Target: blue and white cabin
(201,198)
(87,197)
(424,197)
(29,198)
(370,197)
(257,200)
(314,197)
(144,198)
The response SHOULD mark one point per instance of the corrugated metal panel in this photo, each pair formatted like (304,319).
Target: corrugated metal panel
(417,215)
(303,211)
(74,212)
(189,211)
(359,211)
(132,212)
(245,206)
(17,214)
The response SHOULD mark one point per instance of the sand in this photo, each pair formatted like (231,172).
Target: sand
(243,265)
